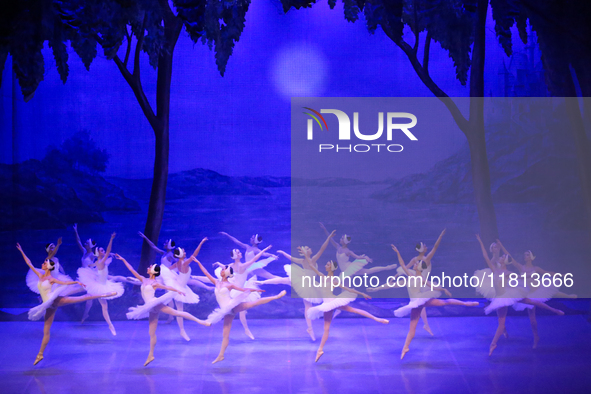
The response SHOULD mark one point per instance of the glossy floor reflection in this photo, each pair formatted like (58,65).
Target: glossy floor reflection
(360,356)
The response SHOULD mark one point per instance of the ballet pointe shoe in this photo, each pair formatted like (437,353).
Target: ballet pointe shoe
(310,332)
(472,303)
(38,359)
(204,322)
(278,296)
(112,328)
(84,317)
(404,351)
(248,333)
(559,312)
(492,348)
(428,329)
(336,313)
(111,294)
(149,360)
(218,359)
(185,336)
(384,321)
(319,354)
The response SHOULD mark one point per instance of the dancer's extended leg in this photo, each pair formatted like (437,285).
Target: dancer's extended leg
(310,330)
(61,301)
(226,337)
(502,315)
(49,316)
(153,320)
(327,320)
(242,316)
(415,314)
(184,315)
(534,325)
(542,305)
(251,304)
(180,322)
(86,311)
(105,307)
(425,321)
(348,308)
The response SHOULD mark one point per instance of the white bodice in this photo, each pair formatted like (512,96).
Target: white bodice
(148,292)
(44,287)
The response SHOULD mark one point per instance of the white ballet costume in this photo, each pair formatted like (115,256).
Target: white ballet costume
(347,267)
(33,279)
(418,297)
(309,293)
(179,281)
(226,303)
(240,280)
(261,263)
(150,302)
(49,293)
(505,296)
(330,302)
(96,281)
(166,258)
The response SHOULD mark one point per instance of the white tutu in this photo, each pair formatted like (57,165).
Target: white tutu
(354,266)
(143,311)
(96,282)
(56,291)
(329,304)
(32,280)
(261,264)
(542,293)
(509,298)
(486,288)
(229,304)
(296,273)
(416,302)
(179,281)
(249,284)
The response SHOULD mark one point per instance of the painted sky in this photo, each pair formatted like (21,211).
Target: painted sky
(238,124)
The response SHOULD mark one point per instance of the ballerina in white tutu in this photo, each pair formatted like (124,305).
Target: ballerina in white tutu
(230,306)
(331,303)
(506,296)
(180,281)
(97,282)
(309,295)
(357,266)
(253,249)
(154,305)
(52,292)
(535,290)
(420,298)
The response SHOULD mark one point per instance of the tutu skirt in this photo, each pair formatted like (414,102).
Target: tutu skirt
(511,297)
(416,302)
(179,282)
(329,304)
(32,280)
(354,266)
(38,312)
(250,284)
(309,293)
(143,311)
(485,289)
(96,283)
(219,313)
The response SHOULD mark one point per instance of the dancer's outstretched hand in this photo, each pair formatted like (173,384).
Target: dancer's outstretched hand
(394,248)
(113,235)
(59,241)
(117,256)
(18,246)
(334,232)
(478,237)
(75,226)
(141,234)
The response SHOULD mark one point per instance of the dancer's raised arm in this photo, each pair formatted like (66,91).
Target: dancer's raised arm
(432,252)
(157,285)
(78,241)
(130,268)
(101,264)
(256,257)
(27,260)
(332,241)
(324,246)
(54,251)
(196,252)
(485,254)
(242,245)
(401,261)
(152,246)
(205,272)
(234,287)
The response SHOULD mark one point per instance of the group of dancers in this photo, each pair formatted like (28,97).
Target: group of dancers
(237,286)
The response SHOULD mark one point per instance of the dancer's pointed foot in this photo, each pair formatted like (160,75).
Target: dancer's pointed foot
(559,312)
(185,336)
(112,328)
(536,340)
(311,333)
(428,329)
(572,296)
(492,348)
(84,317)
(218,359)
(319,354)
(111,294)
(205,323)
(38,359)
(278,296)
(336,313)
(404,351)
(149,360)
(505,333)
(384,321)
(472,303)
(248,333)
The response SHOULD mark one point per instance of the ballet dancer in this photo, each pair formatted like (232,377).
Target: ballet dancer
(357,266)
(179,281)
(253,249)
(420,297)
(52,250)
(239,279)
(230,306)
(504,297)
(96,281)
(52,292)
(330,303)
(536,291)
(309,295)
(154,305)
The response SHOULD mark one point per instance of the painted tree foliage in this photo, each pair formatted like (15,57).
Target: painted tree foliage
(126,30)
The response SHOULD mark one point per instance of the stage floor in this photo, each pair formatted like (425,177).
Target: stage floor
(361,356)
